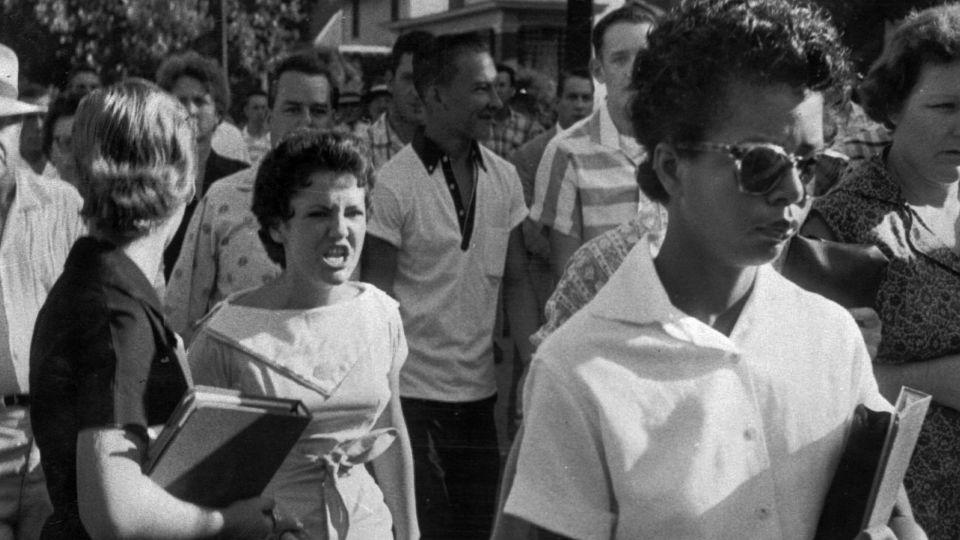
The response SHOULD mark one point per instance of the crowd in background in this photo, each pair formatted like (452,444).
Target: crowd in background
(681,291)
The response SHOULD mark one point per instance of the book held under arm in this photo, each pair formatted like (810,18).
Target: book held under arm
(871,469)
(220,446)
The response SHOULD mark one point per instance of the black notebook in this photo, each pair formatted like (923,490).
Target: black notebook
(219,446)
(871,469)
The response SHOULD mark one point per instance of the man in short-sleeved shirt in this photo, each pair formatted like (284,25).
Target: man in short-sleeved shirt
(586,182)
(442,237)
(447,278)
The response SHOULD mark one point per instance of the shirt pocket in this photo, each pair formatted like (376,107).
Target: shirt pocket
(495,251)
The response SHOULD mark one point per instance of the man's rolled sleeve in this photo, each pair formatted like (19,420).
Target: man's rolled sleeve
(569,210)
(543,181)
(559,203)
(560,483)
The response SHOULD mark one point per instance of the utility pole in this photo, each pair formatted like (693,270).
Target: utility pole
(223,41)
(576,50)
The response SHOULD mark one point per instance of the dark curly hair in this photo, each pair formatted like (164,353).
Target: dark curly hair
(308,63)
(196,66)
(286,170)
(698,49)
(931,36)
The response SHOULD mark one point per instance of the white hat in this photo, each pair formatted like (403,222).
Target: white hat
(9,72)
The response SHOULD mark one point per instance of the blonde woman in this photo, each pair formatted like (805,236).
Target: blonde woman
(105,363)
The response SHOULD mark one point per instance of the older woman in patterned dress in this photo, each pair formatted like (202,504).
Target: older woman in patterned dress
(906,203)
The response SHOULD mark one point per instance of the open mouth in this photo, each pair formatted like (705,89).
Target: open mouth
(336,256)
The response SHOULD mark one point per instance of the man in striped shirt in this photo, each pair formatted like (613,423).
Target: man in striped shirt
(586,182)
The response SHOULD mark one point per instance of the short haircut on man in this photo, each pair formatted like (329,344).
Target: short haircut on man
(204,69)
(412,43)
(286,170)
(437,65)
(692,59)
(503,68)
(308,63)
(931,36)
(575,73)
(136,158)
(630,14)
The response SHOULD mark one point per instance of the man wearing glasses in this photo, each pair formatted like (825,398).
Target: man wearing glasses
(700,394)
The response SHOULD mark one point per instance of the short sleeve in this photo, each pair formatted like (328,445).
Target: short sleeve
(560,482)
(518,207)
(398,342)
(190,290)
(387,214)
(560,206)
(113,378)
(547,183)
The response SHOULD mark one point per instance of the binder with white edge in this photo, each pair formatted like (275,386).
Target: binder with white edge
(902,433)
(220,446)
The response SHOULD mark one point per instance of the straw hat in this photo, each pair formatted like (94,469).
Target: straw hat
(9,72)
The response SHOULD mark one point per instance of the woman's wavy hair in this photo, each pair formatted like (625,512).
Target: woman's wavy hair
(700,48)
(136,158)
(286,170)
(931,36)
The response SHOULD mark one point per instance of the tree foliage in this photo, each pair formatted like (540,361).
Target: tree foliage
(131,37)
(263,29)
(123,37)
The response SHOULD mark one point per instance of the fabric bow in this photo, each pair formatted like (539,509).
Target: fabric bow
(337,463)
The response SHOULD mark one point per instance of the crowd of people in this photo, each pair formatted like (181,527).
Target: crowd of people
(671,263)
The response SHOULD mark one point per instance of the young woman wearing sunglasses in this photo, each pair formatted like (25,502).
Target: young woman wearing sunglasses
(701,394)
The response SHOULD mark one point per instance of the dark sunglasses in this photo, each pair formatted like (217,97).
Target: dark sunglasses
(761,166)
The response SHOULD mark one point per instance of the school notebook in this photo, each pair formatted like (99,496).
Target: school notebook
(871,469)
(220,446)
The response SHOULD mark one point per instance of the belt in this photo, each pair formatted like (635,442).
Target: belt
(13,400)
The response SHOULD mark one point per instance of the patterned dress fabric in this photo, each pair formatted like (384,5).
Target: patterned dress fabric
(919,305)
(222,254)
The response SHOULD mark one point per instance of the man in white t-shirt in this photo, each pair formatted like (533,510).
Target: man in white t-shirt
(442,238)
